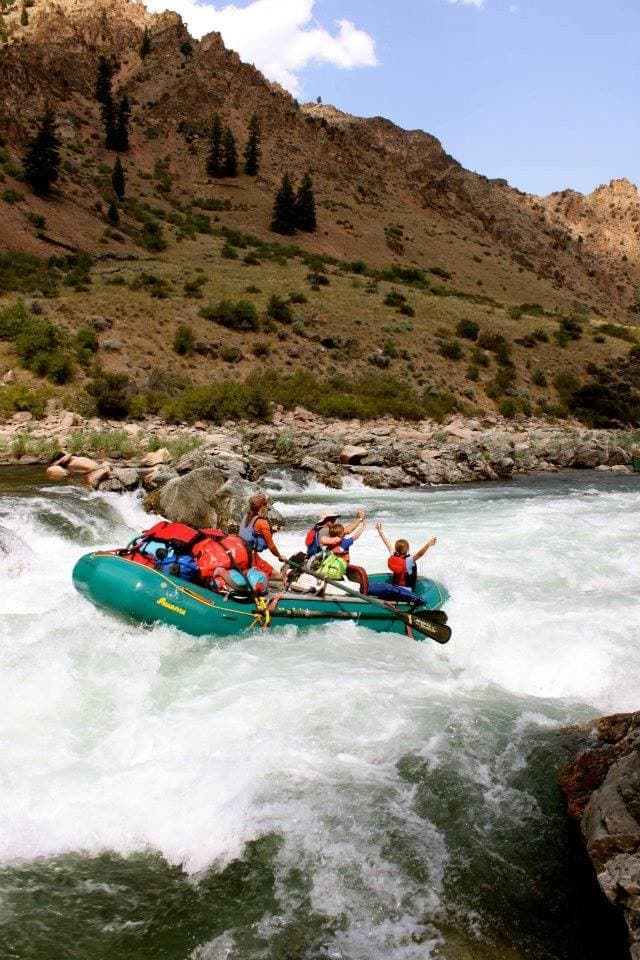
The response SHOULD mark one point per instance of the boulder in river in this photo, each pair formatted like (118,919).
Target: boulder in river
(602,786)
(204,498)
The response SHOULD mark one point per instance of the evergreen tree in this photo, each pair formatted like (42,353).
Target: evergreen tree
(42,161)
(113,215)
(252,150)
(306,206)
(284,208)
(109,122)
(118,180)
(24,17)
(216,156)
(145,45)
(3,30)
(230,162)
(123,114)
(103,80)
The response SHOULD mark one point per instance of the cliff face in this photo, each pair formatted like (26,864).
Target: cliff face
(602,786)
(384,192)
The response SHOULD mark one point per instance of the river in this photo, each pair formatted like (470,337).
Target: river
(329,794)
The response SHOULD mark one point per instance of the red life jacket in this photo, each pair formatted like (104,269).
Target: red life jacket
(173,533)
(404,570)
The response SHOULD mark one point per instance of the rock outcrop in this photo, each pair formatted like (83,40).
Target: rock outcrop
(602,786)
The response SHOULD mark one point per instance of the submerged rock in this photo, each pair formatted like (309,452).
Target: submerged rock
(602,786)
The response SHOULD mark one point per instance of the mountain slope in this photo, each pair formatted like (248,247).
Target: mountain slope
(386,196)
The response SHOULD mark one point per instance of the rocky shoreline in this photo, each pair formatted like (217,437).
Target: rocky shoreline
(602,787)
(384,454)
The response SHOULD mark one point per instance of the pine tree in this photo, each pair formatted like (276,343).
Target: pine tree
(109,122)
(24,17)
(284,208)
(306,206)
(103,80)
(230,162)
(3,30)
(145,45)
(252,150)
(216,157)
(118,179)
(42,161)
(123,114)
(113,215)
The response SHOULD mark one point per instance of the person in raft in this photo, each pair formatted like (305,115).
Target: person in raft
(256,531)
(403,565)
(336,558)
(318,535)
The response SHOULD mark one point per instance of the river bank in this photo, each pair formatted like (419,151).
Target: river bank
(383,454)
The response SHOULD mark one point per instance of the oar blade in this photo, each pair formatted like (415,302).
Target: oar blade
(440,632)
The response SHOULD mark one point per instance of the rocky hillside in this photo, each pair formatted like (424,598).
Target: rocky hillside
(388,201)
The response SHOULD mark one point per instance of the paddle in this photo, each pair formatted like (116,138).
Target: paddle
(439,632)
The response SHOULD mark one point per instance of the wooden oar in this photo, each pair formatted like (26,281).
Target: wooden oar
(439,632)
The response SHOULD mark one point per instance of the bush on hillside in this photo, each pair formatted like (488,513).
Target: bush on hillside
(279,309)
(111,394)
(183,340)
(18,398)
(217,402)
(468,329)
(234,316)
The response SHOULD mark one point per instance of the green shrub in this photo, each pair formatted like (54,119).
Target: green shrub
(152,238)
(566,384)
(570,329)
(618,331)
(228,252)
(530,309)
(539,379)
(509,407)
(297,297)
(497,344)
(86,344)
(41,346)
(235,316)
(317,280)
(23,272)
(183,340)
(503,384)
(599,405)
(468,329)
(390,350)
(217,402)
(38,221)
(11,196)
(251,259)
(193,288)
(18,397)
(261,349)
(479,357)
(473,372)
(395,299)
(111,394)
(279,309)
(451,350)
(231,353)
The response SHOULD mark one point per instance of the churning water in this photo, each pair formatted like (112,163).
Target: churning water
(328,793)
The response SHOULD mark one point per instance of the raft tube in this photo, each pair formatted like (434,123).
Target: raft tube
(147,596)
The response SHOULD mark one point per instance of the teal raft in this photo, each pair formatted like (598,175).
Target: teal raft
(148,596)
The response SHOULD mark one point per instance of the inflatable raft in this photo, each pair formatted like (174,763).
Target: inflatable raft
(149,596)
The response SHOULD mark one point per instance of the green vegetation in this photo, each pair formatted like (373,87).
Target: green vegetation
(283,220)
(468,330)
(215,158)
(619,332)
(252,152)
(18,397)
(42,160)
(183,340)
(41,346)
(305,207)
(235,316)
(279,309)
(111,394)
(118,180)
(145,44)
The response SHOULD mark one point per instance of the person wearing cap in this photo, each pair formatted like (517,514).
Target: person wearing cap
(318,538)
(256,531)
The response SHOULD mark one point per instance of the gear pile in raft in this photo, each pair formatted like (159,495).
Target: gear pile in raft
(213,583)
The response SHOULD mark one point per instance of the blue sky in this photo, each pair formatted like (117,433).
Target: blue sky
(545,93)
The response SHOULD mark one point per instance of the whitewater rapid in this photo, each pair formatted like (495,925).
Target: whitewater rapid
(381,765)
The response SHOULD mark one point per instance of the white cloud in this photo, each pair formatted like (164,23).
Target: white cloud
(469,3)
(281,37)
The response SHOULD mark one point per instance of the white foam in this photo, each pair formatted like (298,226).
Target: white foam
(126,738)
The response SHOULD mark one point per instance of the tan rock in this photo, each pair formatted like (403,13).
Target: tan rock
(56,472)
(81,465)
(157,457)
(351,454)
(97,476)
